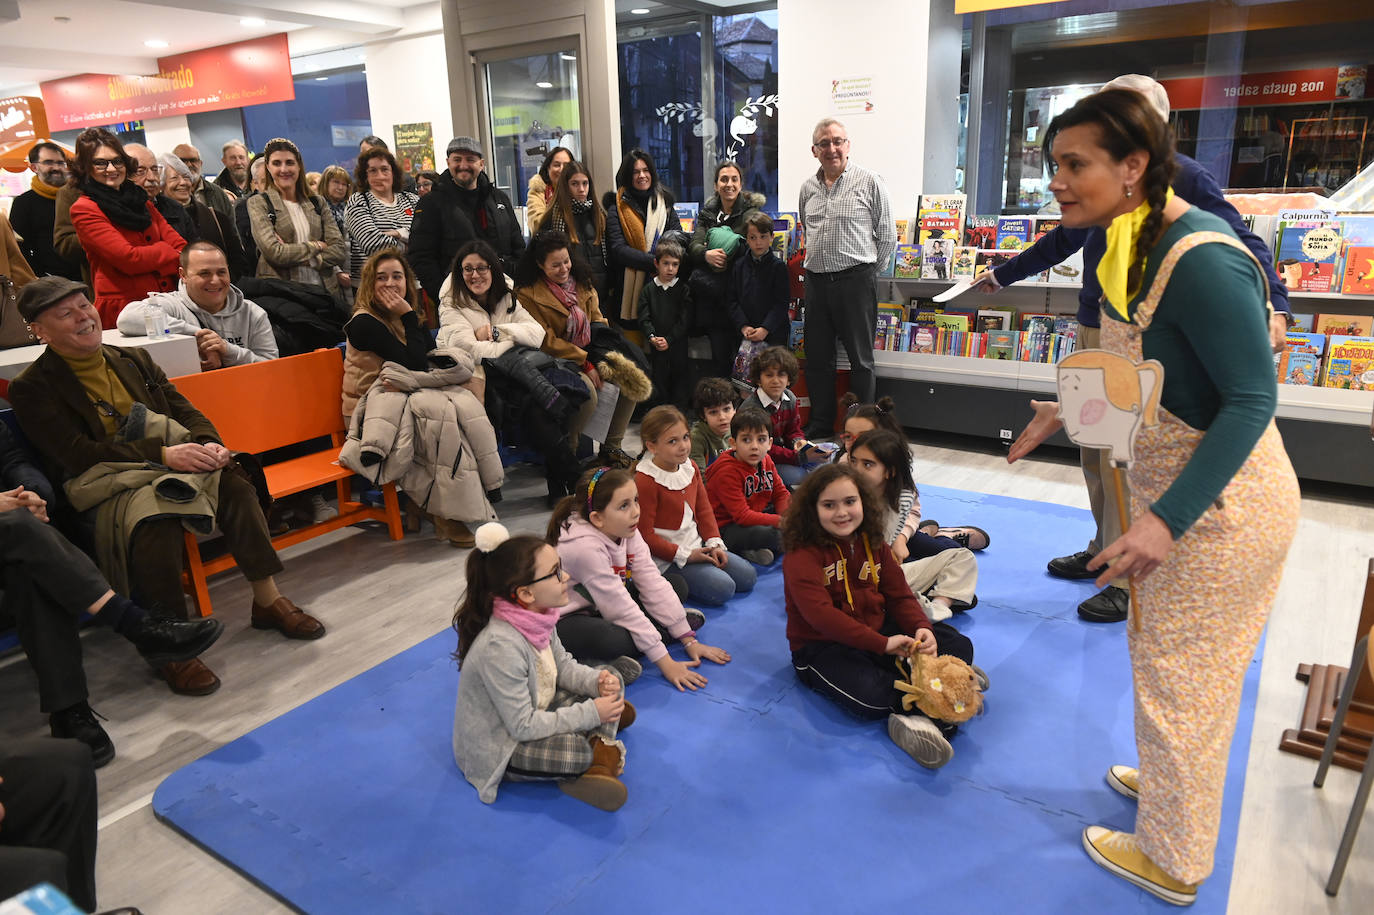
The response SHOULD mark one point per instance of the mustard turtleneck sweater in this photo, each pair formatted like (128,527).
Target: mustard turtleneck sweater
(102,386)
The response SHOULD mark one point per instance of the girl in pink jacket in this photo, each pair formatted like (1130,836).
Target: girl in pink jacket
(620,603)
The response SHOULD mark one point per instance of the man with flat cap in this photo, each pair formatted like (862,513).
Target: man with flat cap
(463,205)
(97,414)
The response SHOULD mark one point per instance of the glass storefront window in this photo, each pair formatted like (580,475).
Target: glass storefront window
(532,106)
(327,119)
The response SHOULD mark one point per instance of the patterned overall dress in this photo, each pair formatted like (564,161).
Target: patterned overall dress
(1200,612)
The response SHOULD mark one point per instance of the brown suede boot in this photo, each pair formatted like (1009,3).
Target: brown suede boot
(627,717)
(599,786)
(455,532)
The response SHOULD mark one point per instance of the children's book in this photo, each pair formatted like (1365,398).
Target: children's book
(991,260)
(922,339)
(1298,368)
(1069,271)
(1349,363)
(1303,322)
(1066,325)
(1303,342)
(1001,344)
(981,232)
(908,265)
(1037,323)
(1013,232)
(952,322)
(903,232)
(941,217)
(990,319)
(936,257)
(927,316)
(1343,325)
(687,215)
(1358,278)
(1044,225)
(965,263)
(1306,255)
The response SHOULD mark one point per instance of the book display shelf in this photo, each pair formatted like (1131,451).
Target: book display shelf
(1326,430)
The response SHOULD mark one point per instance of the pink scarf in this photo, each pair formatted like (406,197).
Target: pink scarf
(579,329)
(535,626)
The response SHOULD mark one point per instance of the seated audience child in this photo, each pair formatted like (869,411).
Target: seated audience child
(849,610)
(942,575)
(759,289)
(675,516)
(665,313)
(747,494)
(860,418)
(773,372)
(622,604)
(714,403)
(526,710)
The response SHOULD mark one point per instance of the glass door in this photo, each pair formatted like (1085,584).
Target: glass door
(532,105)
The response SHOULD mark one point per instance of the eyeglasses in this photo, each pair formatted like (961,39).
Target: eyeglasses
(147,169)
(826,144)
(479,270)
(101,164)
(557,574)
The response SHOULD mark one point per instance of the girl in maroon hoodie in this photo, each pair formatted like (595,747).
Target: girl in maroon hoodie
(850,612)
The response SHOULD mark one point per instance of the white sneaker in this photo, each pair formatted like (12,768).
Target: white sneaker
(920,738)
(321,510)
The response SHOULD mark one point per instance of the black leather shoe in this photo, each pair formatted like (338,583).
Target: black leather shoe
(78,722)
(1073,567)
(162,640)
(1107,606)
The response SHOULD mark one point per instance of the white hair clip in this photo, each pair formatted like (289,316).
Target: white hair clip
(491,535)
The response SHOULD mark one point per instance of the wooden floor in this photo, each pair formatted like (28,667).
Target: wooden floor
(380,597)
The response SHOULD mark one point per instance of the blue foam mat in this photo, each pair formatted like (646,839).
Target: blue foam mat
(754,793)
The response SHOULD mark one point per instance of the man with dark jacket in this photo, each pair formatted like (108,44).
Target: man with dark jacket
(234,176)
(463,205)
(76,403)
(35,210)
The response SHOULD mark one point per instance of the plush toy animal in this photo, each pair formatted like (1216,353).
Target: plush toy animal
(943,687)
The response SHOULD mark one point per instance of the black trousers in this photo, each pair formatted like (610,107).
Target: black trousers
(843,307)
(155,569)
(672,376)
(50,800)
(861,682)
(48,583)
(590,638)
(739,537)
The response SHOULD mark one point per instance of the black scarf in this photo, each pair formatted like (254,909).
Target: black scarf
(126,207)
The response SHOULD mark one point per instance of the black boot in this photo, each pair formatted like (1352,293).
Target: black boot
(163,640)
(77,722)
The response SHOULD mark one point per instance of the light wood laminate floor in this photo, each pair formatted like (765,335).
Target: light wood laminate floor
(380,597)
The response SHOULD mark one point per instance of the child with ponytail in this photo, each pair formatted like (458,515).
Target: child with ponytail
(621,604)
(850,612)
(526,710)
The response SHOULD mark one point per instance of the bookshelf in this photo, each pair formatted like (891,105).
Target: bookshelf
(1322,427)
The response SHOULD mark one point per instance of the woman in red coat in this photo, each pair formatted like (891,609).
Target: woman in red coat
(131,248)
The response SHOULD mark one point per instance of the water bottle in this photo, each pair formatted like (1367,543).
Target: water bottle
(154,321)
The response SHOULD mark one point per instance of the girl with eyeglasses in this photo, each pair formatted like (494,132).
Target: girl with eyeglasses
(527,710)
(131,248)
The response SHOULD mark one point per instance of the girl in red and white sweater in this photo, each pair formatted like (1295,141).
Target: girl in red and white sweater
(849,610)
(676,519)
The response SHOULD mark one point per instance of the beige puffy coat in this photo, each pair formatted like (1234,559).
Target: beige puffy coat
(460,318)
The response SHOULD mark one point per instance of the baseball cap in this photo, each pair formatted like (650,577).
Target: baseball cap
(464,144)
(45,292)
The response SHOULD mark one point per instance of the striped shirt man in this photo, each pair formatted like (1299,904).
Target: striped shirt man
(847,223)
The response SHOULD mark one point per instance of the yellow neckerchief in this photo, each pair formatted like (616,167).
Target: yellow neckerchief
(844,569)
(43,189)
(1114,270)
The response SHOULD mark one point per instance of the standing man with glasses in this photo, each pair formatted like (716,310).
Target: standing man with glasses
(35,210)
(849,233)
(205,192)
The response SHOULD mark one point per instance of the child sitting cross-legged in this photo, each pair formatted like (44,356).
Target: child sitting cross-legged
(621,604)
(676,519)
(773,371)
(714,403)
(747,495)
(526,710)
(850,612)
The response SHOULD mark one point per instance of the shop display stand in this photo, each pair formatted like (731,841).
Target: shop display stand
(1324,684)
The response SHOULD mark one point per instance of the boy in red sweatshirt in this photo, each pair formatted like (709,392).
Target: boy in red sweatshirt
(747,494)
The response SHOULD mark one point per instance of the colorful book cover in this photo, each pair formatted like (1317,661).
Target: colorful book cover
(1306,255)
(1303,342)
(936,257)
(796,338)
(941,216)
(1038,323)
(1066,325)
(965,263)
(1001,344)
(1303,321)
(903,232)
(1070,271)
(923,339)
(908,266)
(927,316)
(1350,363)
(1343,325)
(991,260)
(1298,368)
(981,232)
(1358,276)
(687,215)
(993,319)
(1044,225)
(1013,232)
(952,322)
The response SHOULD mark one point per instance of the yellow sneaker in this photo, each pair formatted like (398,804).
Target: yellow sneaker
(1118,853)
(1125,780)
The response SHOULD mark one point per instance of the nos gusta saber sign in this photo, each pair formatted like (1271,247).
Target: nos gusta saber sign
(228,76)
(1282,88)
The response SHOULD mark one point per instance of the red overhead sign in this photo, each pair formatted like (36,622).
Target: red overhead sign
(1240,91)
(228,76)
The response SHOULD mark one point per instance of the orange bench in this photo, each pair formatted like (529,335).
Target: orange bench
(269,405)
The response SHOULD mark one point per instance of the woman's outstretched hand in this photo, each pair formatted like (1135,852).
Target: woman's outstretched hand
(1045,424)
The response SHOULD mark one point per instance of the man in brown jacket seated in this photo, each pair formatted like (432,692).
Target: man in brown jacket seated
(72,402)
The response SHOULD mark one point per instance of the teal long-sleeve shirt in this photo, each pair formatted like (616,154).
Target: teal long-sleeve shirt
(1211,333)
